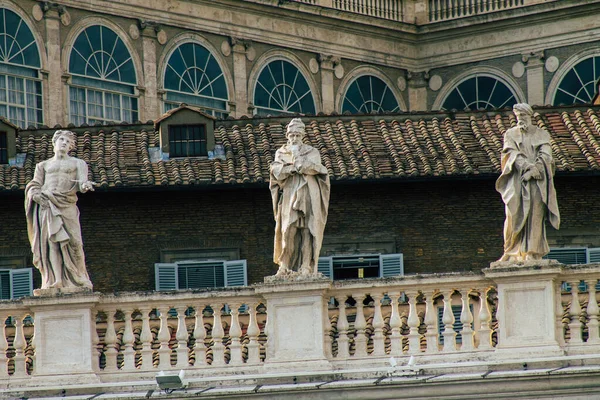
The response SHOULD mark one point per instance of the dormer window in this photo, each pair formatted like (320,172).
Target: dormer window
(3,148)
(187,140)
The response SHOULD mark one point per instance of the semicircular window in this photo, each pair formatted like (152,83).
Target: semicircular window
(103,78)
(368,94)
(282,89)
(193,76)
(480,92)
(579,84)
(20,83)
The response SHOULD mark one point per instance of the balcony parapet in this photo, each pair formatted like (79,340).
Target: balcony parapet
(443,322)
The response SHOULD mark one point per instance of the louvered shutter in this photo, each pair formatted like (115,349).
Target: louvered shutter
(236,273)
(21,282)
(391,265)
(594,255)
(325,266)
(166,276)
(5,284)
(569,255)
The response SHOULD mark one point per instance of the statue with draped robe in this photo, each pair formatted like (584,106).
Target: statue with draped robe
(300,189)
(527,189)
(53,217)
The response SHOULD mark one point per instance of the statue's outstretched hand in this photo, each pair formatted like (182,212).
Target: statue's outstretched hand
(87,186)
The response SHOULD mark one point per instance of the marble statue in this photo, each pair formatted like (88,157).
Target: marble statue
(300,192)
(53,217)
(527,189)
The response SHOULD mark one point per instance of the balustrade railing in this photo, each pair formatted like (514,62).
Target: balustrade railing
(440,10)
(196,332)
(16,348)
(578,312)
(408,319)
(387,9)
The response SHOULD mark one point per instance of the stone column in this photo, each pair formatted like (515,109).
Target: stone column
(527,296)
(240,50)
(417,90)
(53,97)
(296,313)
(328,64)
(534,65)
(148,88)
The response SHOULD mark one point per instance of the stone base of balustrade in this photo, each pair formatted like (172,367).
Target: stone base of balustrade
(50,292)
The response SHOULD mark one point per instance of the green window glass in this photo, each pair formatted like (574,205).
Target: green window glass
(20,83)
(480,92)
(193,76)
(282,89)
(580,84)
(103,78)
(368,94)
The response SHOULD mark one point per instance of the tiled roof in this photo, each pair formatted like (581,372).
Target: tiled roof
(366,147)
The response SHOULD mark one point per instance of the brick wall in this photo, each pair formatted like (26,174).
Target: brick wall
(438,226)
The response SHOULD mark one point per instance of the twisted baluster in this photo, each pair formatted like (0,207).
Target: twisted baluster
(342,328)
(448,320)
(164,335)
(253,333)
(575,311)
(485,321)
(146,339)
(431,321)
(182,339)
(378,324)
(235,333)
(592,312)
(395,325)
(110,339)
(217,334)
(128,341)
(360,325)
(466,318)
(199,337)
(414,345)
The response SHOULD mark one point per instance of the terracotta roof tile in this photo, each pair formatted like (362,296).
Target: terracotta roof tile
(398,146)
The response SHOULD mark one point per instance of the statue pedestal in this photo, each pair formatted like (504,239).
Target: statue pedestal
(63,337)
(296,322)
(528,295)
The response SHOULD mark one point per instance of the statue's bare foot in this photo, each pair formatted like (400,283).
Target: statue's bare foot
(283,271)
(305,271)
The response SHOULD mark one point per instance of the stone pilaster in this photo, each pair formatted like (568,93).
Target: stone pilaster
(534,65)
(150,107)
(54,100)
(240,49)
(417,90)
(328,63)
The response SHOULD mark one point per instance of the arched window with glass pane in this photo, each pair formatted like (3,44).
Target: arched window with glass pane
(580,83)
(480,92)
(20,82)
(282,89)
(102,78)
(193,76)
(367,94)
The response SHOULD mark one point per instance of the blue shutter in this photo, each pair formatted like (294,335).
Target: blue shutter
(166,276)
(21,282)
(391,265)
(325,266)
(5,284)
(236,273)
(457,326)
(569,255)
(594,255)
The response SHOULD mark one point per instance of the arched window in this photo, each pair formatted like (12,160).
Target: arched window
(20,83)
(103,78)
(282,89)
(193,76)
(368,94)
(480,92)
(579,84)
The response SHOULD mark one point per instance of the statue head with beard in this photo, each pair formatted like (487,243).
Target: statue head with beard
(523,112)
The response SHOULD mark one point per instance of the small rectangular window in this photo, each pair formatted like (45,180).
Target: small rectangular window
(200,274)
(3,148)
(187,140)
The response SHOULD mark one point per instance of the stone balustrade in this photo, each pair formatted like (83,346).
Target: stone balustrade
(316,325)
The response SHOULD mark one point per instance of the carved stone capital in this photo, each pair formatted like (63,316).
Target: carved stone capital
(534,58)
(417,78)
(240,45)
(149,28)
(328,61)
(52,10)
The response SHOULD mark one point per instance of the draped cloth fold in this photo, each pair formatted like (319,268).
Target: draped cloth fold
(528,203)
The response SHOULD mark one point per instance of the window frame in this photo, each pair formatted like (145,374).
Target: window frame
(167,274)
(3,147)
(203,140)
(355,81)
